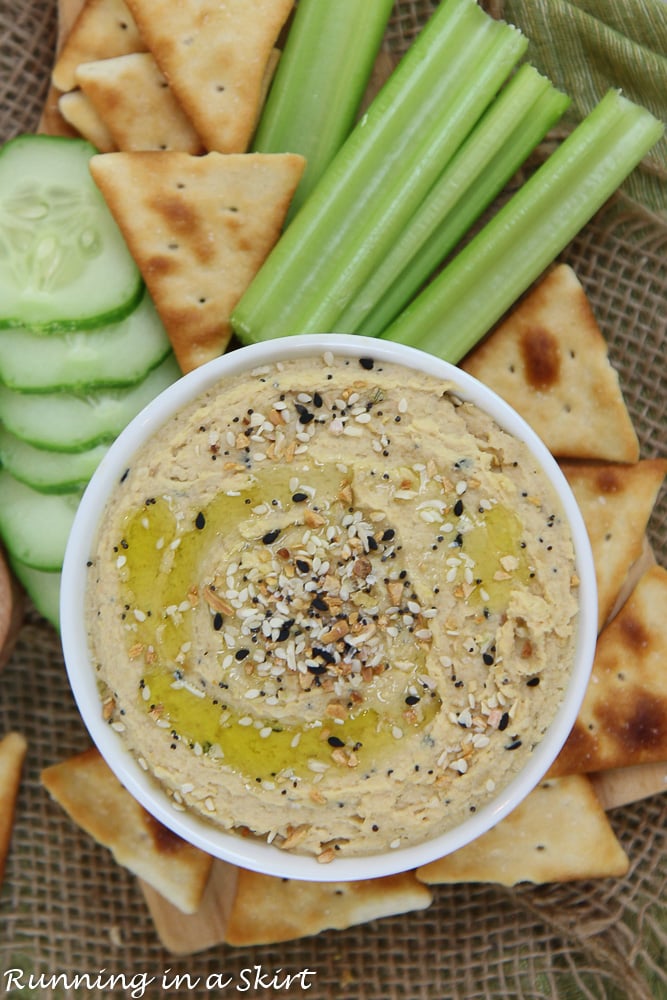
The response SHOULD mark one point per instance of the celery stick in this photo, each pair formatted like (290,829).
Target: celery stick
(319,83)
(381,174)
(511,128)
(461,304)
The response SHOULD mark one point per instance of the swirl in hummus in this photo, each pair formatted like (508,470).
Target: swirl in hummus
(333,606)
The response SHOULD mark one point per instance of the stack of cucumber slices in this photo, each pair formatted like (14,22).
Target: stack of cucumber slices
(82,349)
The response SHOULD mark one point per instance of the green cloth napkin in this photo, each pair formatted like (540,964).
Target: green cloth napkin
(586,47)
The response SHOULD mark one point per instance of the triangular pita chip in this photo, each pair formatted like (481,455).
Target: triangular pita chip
(199,228)
(12,754)
(94,799)
(269,910)
(616,502)
(215,57)
(104,28)
(79,112)
(623,718)
(559,833)
(133,99)
(549,360)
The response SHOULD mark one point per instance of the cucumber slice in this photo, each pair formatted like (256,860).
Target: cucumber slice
(48,471)
(35,526)
(73,422)
(118,354)
(63,260)
(42,588)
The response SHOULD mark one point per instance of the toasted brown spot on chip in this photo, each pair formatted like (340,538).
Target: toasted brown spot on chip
(541,358)
(634,633)
(623,718)
(165,841)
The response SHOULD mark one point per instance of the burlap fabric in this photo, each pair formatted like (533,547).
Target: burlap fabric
(67,908)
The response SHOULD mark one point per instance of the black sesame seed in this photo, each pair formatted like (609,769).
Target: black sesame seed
(320,604)
(217,621)
(366,363)
(533,682)
(458,508)
(200,521)
(514,745)
(488,658)
(302,565)
(388,535)
(372,544)
(271,536)
(299,497)
(305,416)
(504,721)
(335,741)
(412,699)
(241,654)
(317,399)
(324,654)
(125,475)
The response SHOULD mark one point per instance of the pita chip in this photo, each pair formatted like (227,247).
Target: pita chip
(79,112)
(136,104)
(616,502)
(559,833)
(215,57)
(199,228)
(623,717)
(89,792)
(103,28)
(549,360)
(269,910)
(13,749)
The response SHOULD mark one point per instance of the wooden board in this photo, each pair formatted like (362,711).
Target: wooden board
(623,785)
(52,122)
(186,934)
(12,607)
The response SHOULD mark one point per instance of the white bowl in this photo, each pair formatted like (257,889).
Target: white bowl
(255,854)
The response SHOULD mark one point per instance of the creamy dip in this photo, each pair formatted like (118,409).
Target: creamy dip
(333,606)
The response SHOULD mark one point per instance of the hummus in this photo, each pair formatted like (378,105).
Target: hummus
(333,606)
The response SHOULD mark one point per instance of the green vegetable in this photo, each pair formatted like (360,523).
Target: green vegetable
(320,81)
(462,303)
(378,179)
(35,526)
(48,471)
(42,587)
(499,144)
(63,261)
(71,422)
(118,354)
